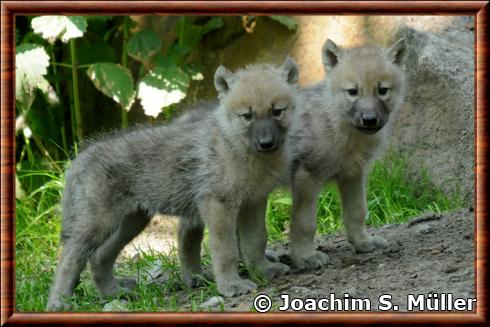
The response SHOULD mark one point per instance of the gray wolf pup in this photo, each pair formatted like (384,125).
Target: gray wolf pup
(339,127)
(210,166)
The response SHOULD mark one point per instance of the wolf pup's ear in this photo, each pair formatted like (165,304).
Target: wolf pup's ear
(398,52)
(222,80)
(291,69)
(330,54)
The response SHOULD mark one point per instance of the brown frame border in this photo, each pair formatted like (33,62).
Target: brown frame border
(11,8)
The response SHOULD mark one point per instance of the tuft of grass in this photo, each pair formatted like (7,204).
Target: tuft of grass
(393,197)
(38,228)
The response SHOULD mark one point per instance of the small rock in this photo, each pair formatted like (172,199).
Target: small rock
(155,273)
(435,251)
(468,236)
(381,265)
(349,261)
(424,229)
(414,275)
(455,278)
(450,269)
(212,302)
(300,290)
(271,255)
(116,305)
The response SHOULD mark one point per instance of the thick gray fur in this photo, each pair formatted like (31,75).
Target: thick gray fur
(339,128)
(210,166)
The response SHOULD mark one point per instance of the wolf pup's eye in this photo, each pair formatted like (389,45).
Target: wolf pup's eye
(383,90)
(247,116)
(277,112)
(352,92)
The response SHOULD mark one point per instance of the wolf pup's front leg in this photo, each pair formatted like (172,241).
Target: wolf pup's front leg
(353,194)
(252,236)
(223,243)
(305,189)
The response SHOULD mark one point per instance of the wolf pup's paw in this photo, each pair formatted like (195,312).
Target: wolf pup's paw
(314,261)
(368,245)
(237,288)
(274,269)
(127,284)
(198,280)
(118,287)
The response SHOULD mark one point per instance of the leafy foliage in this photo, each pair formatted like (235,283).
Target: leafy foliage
(162,87)
(114,81)
(31,63)
(143,45)
(64,28)
(101,54)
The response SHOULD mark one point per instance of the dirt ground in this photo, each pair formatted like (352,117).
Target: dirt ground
(430,254)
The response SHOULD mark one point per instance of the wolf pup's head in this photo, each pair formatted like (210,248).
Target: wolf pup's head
(367,82)
(257,102)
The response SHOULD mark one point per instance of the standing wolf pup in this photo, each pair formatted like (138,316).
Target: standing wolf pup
(338,128)
(211,167)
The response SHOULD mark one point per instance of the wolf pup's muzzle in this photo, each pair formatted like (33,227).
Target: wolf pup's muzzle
(369,114)
(267,136)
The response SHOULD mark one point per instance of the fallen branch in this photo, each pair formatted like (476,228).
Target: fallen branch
(428,216)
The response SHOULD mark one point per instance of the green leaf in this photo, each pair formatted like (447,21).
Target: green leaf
(193,35)
(143,45)
(161,87)
(213,24)
(31,64)
(178,52)
(65,28)
(114,81)
(174,57)
(287,21)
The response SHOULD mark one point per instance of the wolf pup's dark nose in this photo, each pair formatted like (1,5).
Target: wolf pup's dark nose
(266,143)
(369,119)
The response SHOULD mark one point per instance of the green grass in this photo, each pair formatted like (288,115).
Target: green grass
(393,197)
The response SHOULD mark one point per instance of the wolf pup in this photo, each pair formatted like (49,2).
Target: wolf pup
(211,167)
(338,128)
